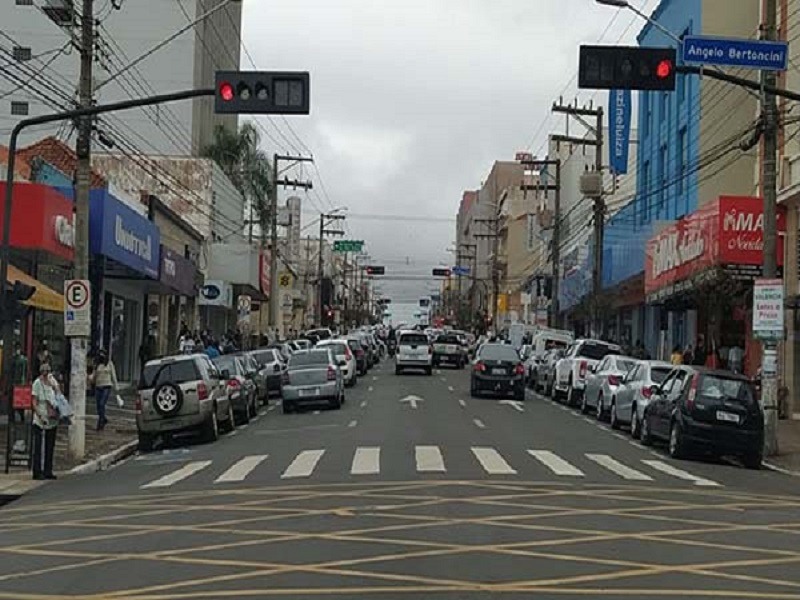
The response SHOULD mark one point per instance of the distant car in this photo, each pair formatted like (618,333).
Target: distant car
(242,389)
(181,393)
(321,334)
(414,351)
(345,359)
(698,409)
(449,348)
(499,370)
(312,379)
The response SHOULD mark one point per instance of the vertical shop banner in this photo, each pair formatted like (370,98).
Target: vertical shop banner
(619,108)
(768,309)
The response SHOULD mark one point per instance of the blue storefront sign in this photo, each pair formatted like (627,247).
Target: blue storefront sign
(726,52)
(123,235)
(619,107)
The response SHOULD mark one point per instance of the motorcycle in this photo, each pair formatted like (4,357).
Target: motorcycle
(391,347)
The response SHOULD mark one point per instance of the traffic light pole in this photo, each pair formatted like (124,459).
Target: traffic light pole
(322,232)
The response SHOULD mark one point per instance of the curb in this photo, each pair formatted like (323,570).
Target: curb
(102,463)
(778,469)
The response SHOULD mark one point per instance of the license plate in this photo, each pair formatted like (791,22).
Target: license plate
(498,371)
(726,416)
(309,392)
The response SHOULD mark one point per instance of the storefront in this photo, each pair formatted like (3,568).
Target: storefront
(700,271)
(216,306)
(126,257)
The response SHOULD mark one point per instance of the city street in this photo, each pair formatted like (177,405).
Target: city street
(412,489)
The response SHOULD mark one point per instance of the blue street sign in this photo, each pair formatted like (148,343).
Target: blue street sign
(725,52)
(619,109)
(460,271)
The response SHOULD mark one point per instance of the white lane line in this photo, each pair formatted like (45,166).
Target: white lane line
(588,420)
(363,403)
(462,403)
(620,436)
(555,463)
(374,378)
(185,471)
(369,389)
(679,473)
(450,388)
(232,433)
(429,459)
(443,378)
(303,465)
(241,469)
(366,461)
(352,423)
(479,424)
(492,462)
(316,412)
(624,471)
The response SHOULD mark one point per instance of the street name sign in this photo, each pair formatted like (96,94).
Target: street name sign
(768,309)
(77,308)
(461,271)
(731,52)
(348,245)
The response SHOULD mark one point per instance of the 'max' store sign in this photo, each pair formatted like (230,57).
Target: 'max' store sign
(120,233)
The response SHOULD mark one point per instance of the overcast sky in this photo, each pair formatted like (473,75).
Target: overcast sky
(412,101)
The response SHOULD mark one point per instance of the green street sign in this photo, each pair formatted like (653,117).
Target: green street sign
(348,245)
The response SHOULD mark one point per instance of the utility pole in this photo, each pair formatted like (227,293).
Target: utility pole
(769,390)
(324,221)
(555,253)
(470,256)
(274,308)
(78,345)
(493,225)
(592,186)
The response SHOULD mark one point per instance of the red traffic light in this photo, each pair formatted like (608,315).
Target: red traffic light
(226,91)
(664,69)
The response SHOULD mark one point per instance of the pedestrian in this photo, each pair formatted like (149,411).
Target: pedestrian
(700,353)
(45,422)
(677,355)
(105,379)
(688,355)
(211,350)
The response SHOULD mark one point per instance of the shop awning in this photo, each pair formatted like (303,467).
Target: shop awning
(44,298)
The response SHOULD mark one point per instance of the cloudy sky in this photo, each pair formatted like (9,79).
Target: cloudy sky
(412,101)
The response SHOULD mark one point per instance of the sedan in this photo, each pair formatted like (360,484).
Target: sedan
(498,369)
(345,359)
(312,378)
(242,390)
(273,364)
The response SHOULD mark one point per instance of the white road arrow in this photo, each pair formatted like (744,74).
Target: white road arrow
(516,404)
(412,400)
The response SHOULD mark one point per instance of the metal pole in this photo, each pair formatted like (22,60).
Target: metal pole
(599,229)
(554,304)
(769,390)
(273,267)
(319,270)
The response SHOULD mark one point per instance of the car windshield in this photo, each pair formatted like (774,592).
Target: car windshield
(335,347)
(226,362)
(500,352)
(311,358)
(595,351)
(413,339)
(550,344)
(448,339)
(626,364)
(716,387)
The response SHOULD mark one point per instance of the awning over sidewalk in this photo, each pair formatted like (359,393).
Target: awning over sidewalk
(44,298)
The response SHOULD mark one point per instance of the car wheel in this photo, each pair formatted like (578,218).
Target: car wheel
(429,371)
(676,443)
(613,414)
(146,442)
(168,399)
(646,436)
(230,424)
(570,394)
(211,427)
(584,405)
(635,424)
(398,370)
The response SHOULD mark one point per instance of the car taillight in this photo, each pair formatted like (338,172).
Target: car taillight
(480,367)
(202,391)
(519,369)
(331,374)
(582,368)
(692,392)
(430,349)
(234,384)
(613,380)
(647,391)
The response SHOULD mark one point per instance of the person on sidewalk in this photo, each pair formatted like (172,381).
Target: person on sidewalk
(105,380)
(45,423)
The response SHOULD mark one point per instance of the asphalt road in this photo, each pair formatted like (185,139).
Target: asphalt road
(456,498)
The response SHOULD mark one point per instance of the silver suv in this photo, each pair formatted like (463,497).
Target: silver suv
(180,393)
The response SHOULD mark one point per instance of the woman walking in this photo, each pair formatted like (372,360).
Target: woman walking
(105,379)
(45,422)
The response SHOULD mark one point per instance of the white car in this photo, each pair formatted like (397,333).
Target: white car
(344,358)
(414,351)
(573,370)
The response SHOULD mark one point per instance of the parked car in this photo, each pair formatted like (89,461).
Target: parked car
(572,371)
(604,382)
(360,354)
(321,334)
(414,351)
(178,394)
(498,369)
(256,373)
(274,366)
(311,379)
(242,390)
(345,359)
(546,371)
(449,348)
(638,387)
(696,408)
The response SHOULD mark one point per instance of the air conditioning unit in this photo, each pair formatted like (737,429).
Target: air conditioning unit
(61,12)
(592,184)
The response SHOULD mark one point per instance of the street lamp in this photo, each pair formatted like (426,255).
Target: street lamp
(654,23)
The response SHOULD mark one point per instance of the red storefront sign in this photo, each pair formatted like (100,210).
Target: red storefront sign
(265,264)
(22,399)
(42,219)
(728,232)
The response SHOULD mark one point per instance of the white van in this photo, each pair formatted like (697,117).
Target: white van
(414,351)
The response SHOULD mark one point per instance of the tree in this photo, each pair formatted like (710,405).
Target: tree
(240,157)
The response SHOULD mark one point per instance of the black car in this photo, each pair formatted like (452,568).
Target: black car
(498,369)
(362,363)
(699,409)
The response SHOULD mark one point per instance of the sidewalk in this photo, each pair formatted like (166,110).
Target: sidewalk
(788,446)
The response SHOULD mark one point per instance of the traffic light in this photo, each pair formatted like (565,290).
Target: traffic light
(262,92)
(626,68)
(12,308)
(441,272)
(376,270)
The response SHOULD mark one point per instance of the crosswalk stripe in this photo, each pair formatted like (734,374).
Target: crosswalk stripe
(679,473)
(366,461)
(429,459)
(185,471)
(492,462)
(555,463)
(241,469)
(303,465)
(624,471)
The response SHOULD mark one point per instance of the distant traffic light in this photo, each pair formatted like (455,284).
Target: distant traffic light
(371,270)
(262,92)
(441,272)
(626,68)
